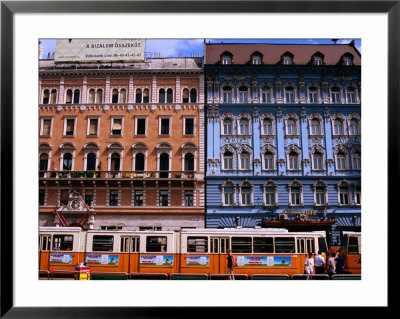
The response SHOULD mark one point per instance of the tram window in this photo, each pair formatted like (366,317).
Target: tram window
(44,242)
(300,246)
(353,245)
(156,244)
(284,245)
(197,244)
(263,245)
(103,243)
(241,245)
(310,245)
(214,245)
(62,242)
(322,245)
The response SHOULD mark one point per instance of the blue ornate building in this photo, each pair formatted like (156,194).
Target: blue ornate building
(283,137)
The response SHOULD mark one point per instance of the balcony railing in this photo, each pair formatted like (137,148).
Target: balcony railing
(117,175)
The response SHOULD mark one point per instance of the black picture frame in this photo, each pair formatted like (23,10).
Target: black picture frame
(9,8)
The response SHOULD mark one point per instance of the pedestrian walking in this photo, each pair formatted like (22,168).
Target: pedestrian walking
(319,263)
(339,262)
(331,265)
(309,264)
(230,259)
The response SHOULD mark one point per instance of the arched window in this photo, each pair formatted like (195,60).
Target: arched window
(67,161)
(317,160)
(313,95)
(335,95)
(228,191)
(46,96)
(244,128)
(91,162)
(291,126)
(270,194)
(245,160)
(296,194)
(138,98)
(266,94)
(122,97)
(114,97)
(267,126)
(269,161)
(68,98)
(227,126)
(185,96)
(356,160)
(354,128)
(92,96)
(161,96)
(170,96)
(338,126)
(341,160)
(76,96)
(44,160)
(189,162)
(293,160)
(193,96)
(243,94)
(146,96)
(315,126)
(53,96)
(99,96)
(227,94)
(139,162)
(351,95)
(228,161)
(320,193)
(246,192)
(344,193)
(115,162)
(289,94)
(164,165)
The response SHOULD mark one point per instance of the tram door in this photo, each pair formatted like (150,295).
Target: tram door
(218,247)
(44,251)
(129,254)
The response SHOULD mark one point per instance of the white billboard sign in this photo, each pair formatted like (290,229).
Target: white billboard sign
(103,50)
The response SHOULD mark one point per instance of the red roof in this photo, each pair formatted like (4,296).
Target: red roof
(272,53)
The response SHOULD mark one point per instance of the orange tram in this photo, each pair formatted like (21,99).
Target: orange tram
(202,251)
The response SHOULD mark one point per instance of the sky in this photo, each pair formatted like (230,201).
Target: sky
(188,47)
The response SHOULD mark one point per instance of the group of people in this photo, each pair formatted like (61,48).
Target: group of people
(333,265)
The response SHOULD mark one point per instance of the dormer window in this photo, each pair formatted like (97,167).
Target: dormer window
(347,59)
(226,58)
(256,59)
(317,59)
(287,58)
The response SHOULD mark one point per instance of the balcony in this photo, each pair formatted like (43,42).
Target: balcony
(118,175)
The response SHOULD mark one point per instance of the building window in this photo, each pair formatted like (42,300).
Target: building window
(226,59)
(293,161)
(69,126)
(269,161)
(163,199)
(295,191)
(228,126)
(243,94)
(228,195)
(89,197)
(41,197)
(46,96)
(341,161)
(358,195)
(146,96)
(267,126)
(317,161)
(139,162)
(244,126)
(189,162)
(115,162)
(317,60)
(351,95)
(313,95)
(170,96)
(287,59)
(266,95)
(270,194)
(161,96)
(347,60)
(188,126)
(291,126)
(67,161)
(193,96)
(338,127)
(320,194)
(44,161)
(228,161)
(91,162)
(289,94)
(315,127)
(188,198)
(354,128)
(165,126)
(93,127)
(118,96)
(335,95)
(138,96)
(113,201)
(46,127)
(356,160)
(244,160)
(227,94)
(140,125)
(138,198)
(185,96)
(245,194)
(256,59)
(164,165)
(344,190)
(116,126)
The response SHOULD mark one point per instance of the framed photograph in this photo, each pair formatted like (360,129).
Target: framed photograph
(23,24)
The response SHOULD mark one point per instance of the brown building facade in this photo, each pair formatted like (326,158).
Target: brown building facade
(121,146)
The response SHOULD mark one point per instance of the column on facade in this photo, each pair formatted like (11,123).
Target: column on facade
(61,91)
(280,144)
(304,144)
(257,145)
(329,144)
(107,93)
(131,94)
(217,143)
(84,89)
